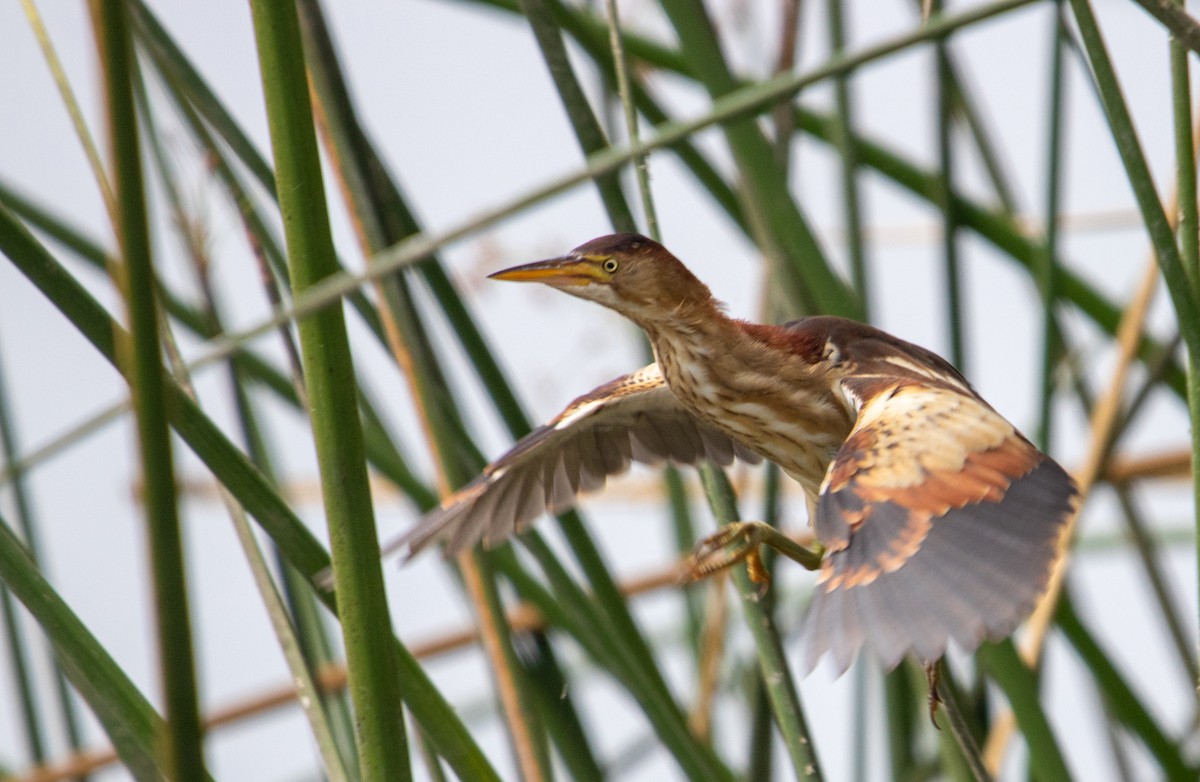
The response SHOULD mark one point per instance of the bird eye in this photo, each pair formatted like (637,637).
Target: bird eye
(610,265)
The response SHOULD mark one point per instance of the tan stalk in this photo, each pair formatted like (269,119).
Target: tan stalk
(332,677)
(712,652)
(1104,418)
(1168,465)
(491,635)
(72,106)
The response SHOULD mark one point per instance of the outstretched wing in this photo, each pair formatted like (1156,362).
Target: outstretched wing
(633,418)
(940,520)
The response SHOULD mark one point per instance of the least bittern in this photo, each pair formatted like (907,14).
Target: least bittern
(939,521)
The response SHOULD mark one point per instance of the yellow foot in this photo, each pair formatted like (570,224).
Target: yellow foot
(742,541)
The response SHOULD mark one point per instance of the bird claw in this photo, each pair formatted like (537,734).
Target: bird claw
(933,675)
(742,541)
(734,543)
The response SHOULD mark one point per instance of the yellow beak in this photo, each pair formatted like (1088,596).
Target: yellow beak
(559,272)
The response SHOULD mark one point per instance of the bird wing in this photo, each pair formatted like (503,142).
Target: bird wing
(633,418)
(940,521)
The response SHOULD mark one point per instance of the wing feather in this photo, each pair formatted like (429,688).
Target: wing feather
(941,523)
(591,461)
(500,505)
(646,445)
(561,495)
(633,418)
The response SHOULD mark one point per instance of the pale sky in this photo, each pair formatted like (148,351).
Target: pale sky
(459,101)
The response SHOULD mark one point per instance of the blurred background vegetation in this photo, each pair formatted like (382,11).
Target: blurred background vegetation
(1011,183)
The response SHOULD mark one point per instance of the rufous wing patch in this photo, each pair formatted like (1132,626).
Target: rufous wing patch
(940,522)
(925,448)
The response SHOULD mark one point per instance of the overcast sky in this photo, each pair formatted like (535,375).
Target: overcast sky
(460,103)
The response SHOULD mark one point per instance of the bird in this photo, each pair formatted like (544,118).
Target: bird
(937,521)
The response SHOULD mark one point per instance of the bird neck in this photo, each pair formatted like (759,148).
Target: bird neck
(697,345)
(697,325)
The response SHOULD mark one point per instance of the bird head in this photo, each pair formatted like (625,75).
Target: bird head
(628,273)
